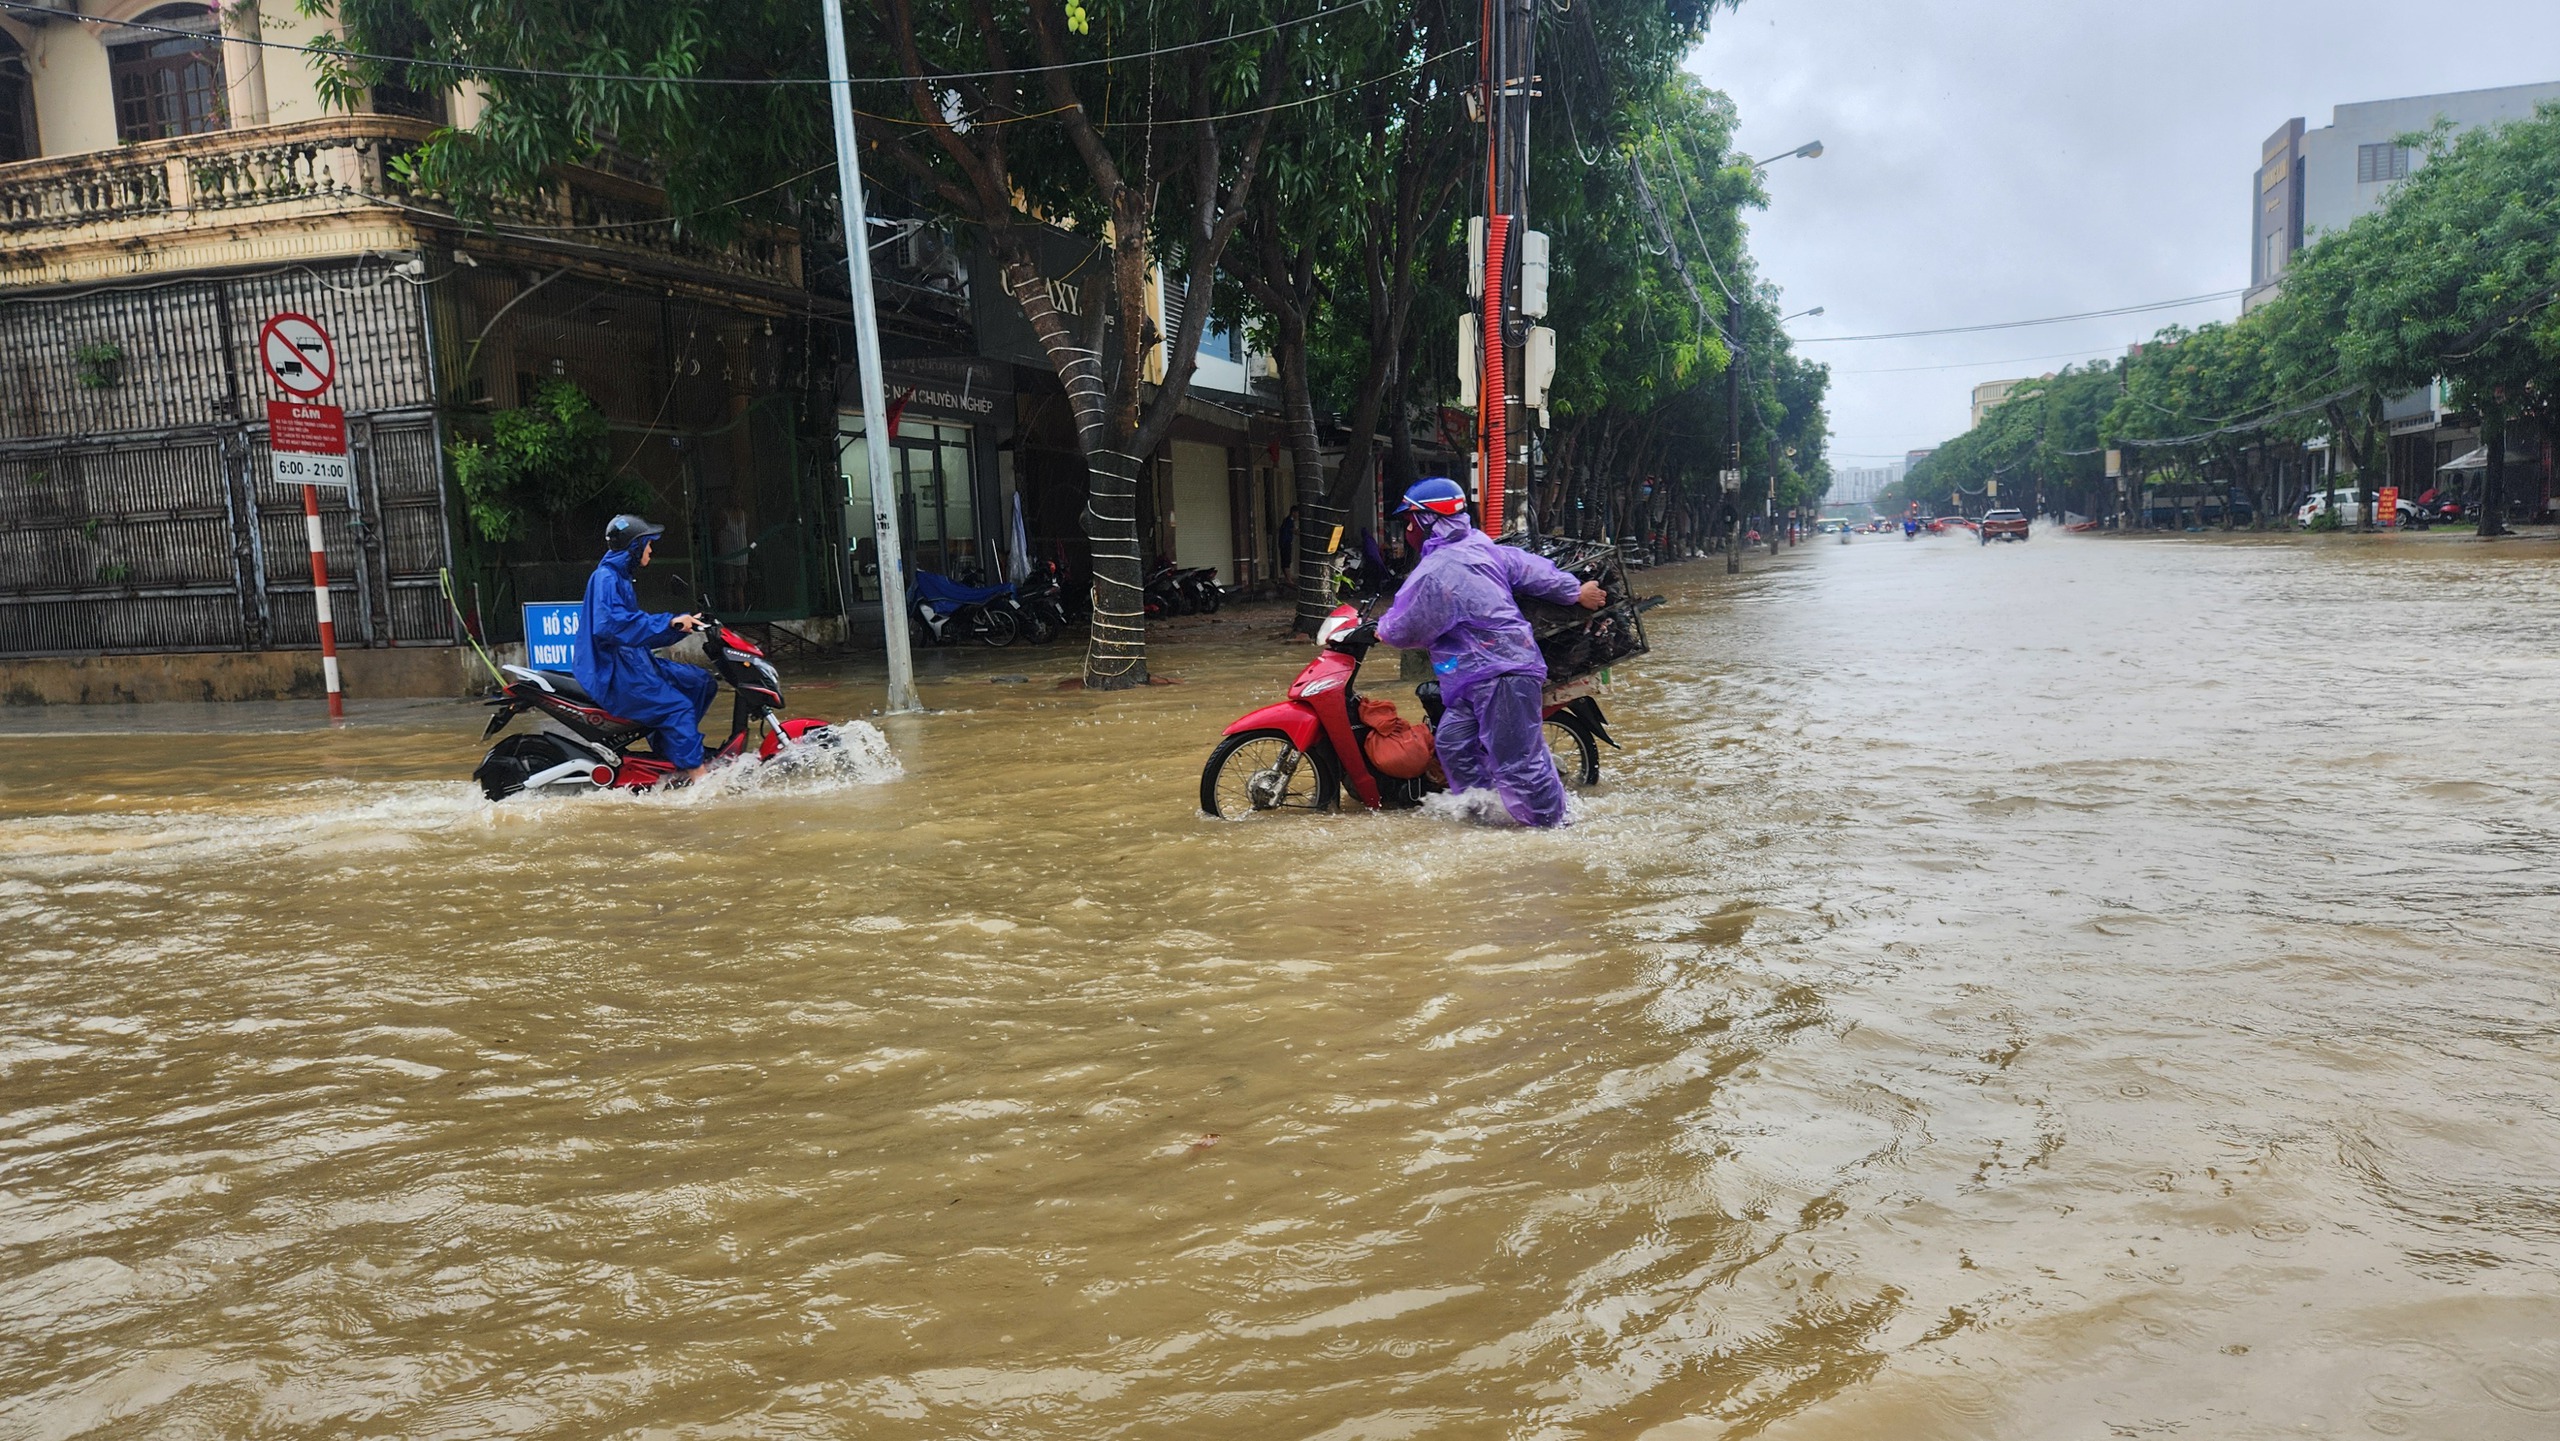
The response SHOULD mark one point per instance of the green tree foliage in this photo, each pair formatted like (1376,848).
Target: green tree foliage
(726,153)
(548,459)
(2455,277)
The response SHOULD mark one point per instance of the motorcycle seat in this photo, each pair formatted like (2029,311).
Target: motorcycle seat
(558,682)
(943,592)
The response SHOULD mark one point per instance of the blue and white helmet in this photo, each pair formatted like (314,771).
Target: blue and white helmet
(1437,494)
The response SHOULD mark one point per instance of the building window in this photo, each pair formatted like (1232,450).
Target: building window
(2376,164)
(170,84)
(1221,342)
(17,104)
(427,105)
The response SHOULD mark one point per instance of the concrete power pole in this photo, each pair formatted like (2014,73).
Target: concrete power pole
(1732,477)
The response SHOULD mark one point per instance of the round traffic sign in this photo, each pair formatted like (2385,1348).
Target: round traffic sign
(297,354)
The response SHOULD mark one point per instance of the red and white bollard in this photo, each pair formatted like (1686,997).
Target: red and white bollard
(320,602)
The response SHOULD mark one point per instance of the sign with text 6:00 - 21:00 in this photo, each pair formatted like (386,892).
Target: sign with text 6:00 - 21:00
(553,634)
(307,444)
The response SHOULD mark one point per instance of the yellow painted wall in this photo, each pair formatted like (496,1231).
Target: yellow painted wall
(293,91)
(75,101)
(75,107)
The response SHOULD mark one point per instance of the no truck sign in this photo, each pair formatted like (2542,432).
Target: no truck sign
(297,355)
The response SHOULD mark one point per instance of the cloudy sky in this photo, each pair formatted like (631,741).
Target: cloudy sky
(1992,160)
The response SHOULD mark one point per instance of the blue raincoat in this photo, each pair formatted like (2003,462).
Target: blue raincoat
(1459,604)
(618,670)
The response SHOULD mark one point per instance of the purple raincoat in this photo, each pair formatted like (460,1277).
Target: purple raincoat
(1460,603)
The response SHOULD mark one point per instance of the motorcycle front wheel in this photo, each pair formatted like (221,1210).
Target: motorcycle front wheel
(1577,754)
(1262,770)
(1037,626)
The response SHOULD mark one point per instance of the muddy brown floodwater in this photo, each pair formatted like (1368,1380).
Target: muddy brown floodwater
(2089,988)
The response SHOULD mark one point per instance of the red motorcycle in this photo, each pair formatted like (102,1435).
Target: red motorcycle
(594,749)
(1298,754)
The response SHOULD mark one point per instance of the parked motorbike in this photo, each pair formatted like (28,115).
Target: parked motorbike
(1298,754)
(948,612)
(1199,586)
(1041,598)
(594,749)
(1163,593)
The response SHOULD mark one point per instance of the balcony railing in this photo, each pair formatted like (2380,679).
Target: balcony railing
(350,164)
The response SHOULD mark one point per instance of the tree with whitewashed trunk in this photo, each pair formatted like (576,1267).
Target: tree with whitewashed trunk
(1013,128)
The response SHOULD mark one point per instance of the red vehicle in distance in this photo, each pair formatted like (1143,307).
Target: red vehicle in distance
(2002,525)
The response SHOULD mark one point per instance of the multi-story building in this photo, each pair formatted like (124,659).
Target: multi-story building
(2311,182)
(1856,484)
(174,176)
(1988,395)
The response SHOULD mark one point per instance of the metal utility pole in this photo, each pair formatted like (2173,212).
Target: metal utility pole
(1732,477)
(875,390)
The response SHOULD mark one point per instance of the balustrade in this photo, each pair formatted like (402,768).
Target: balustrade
(349,163)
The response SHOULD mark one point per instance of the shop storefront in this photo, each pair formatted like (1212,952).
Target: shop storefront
(942,450)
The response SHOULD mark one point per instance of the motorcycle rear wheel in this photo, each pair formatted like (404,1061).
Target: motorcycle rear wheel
(998,629)
(1244,777)
(503,771)
(1577,755)
(1210,599)
(1037,628)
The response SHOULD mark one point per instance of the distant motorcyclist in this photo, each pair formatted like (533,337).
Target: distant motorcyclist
(1459,603)
(616,665)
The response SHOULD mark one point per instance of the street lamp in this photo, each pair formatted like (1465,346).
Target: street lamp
(1799,315)
(1810,150)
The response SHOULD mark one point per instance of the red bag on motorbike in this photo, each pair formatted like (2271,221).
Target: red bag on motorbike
(1396,746)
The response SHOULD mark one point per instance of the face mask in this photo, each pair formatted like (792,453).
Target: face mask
(1415,532)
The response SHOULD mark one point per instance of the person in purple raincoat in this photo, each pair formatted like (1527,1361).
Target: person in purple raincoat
(1460,603)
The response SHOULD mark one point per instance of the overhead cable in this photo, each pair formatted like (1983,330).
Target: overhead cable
(2141,309)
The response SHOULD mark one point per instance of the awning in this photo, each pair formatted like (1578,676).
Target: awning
(2477,458)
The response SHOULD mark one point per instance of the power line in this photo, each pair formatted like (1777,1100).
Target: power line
(1983,364)
(466,69)
(2019,324)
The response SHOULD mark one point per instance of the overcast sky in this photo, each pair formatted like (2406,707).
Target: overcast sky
(1989,160)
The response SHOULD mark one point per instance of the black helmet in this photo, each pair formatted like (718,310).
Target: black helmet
(628,531)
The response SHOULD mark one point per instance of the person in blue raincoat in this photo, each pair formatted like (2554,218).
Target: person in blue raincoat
(617,666)
(1460,603)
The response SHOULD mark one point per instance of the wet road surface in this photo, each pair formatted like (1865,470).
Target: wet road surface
(2089,988)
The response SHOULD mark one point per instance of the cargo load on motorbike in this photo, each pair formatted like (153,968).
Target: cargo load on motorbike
(1578,644)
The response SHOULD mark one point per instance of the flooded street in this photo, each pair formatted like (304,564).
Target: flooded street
(2078,989)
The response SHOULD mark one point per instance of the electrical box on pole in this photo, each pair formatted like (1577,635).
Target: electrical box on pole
(1475,257)
(1533,276)
(1537,367)
(1470,343)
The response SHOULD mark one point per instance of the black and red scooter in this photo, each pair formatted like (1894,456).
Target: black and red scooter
(593,749)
